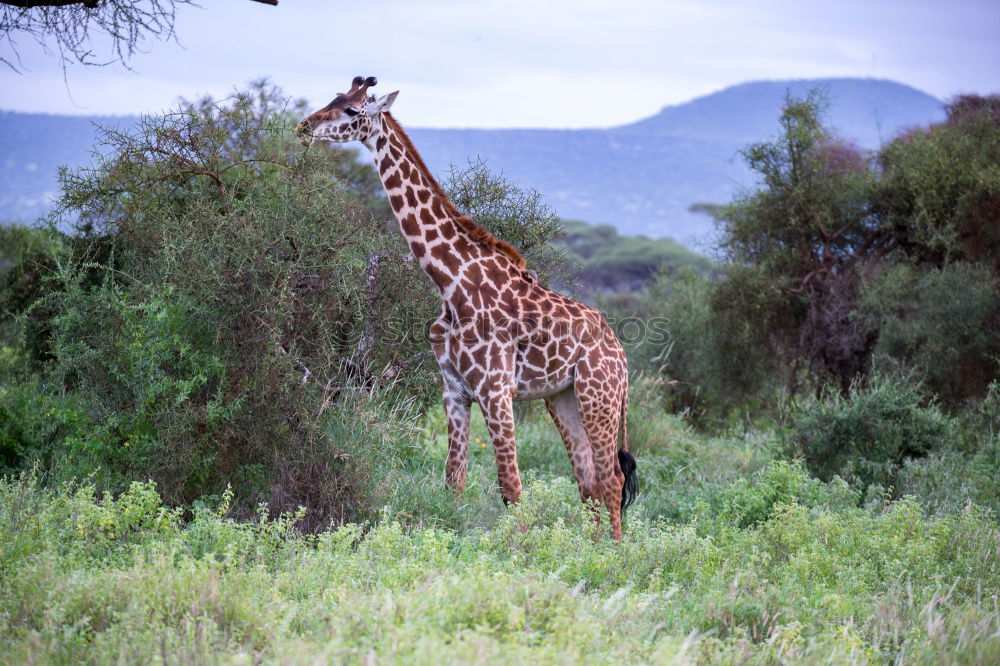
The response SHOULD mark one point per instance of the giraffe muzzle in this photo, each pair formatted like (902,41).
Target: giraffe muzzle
(304,131)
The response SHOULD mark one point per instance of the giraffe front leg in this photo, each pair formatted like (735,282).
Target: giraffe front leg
(456,409)
(498,411)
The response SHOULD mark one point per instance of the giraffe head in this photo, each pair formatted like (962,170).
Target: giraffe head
(351,116)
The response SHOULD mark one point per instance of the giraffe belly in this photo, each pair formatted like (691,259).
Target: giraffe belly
(533,389)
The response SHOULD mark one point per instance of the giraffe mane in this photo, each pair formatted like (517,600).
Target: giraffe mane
(476,231)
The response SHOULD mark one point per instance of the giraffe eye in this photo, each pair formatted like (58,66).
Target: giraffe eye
(349,111)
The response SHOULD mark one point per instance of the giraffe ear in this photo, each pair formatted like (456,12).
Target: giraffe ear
(382,103)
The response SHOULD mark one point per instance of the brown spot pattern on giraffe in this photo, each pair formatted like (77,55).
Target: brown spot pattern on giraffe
(502,336)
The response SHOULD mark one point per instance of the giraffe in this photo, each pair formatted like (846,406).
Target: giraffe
(500,335)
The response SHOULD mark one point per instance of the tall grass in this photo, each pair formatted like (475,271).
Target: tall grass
(766,565)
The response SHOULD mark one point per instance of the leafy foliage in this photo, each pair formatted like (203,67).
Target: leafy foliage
(696,326)
(941,190)
(754,500)
(91,577)
(27,257)
(840,263)
(227,302)
(517,215)
(941,322)
(865,437)
(144,368)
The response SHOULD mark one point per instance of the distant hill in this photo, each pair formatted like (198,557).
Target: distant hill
(611,262)
(867,111)
(640,178)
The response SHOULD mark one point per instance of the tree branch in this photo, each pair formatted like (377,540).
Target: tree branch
(371,283)
(31,4)
(71,25)
(90,4)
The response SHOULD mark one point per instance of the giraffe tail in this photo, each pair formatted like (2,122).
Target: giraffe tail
(625,460)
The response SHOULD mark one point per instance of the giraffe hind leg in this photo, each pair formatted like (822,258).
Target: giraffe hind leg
(601,421)
(565,414)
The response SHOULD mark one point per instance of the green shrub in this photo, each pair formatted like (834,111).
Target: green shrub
(867,436)
(837,260)
(941,186)
(940,323)
(89,577)
(951,480)
(35,423)
(28,258)
(981,421)
(144,366)
(215,267)
(751,501)
(697,326)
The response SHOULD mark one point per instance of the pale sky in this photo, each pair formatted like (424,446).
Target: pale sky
(519,63)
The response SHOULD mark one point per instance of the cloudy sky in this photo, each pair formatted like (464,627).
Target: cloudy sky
(520,63)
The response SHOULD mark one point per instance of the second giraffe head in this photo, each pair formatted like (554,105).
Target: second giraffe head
(349,117)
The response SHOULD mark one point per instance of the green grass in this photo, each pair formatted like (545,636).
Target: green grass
(731,555)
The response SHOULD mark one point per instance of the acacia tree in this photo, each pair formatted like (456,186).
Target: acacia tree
(68,28)
(838,257)
(802,238)
(840,263)
(937,304)
(231,310)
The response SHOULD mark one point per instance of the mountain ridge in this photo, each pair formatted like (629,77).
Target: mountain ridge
(851,99)
(641,177)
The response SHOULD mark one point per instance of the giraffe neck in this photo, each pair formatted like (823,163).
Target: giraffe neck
(438,235)
(417,202)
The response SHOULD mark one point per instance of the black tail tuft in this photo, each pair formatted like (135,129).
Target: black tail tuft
(631,487)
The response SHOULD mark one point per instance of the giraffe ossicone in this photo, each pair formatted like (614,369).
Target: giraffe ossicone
(500,336)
